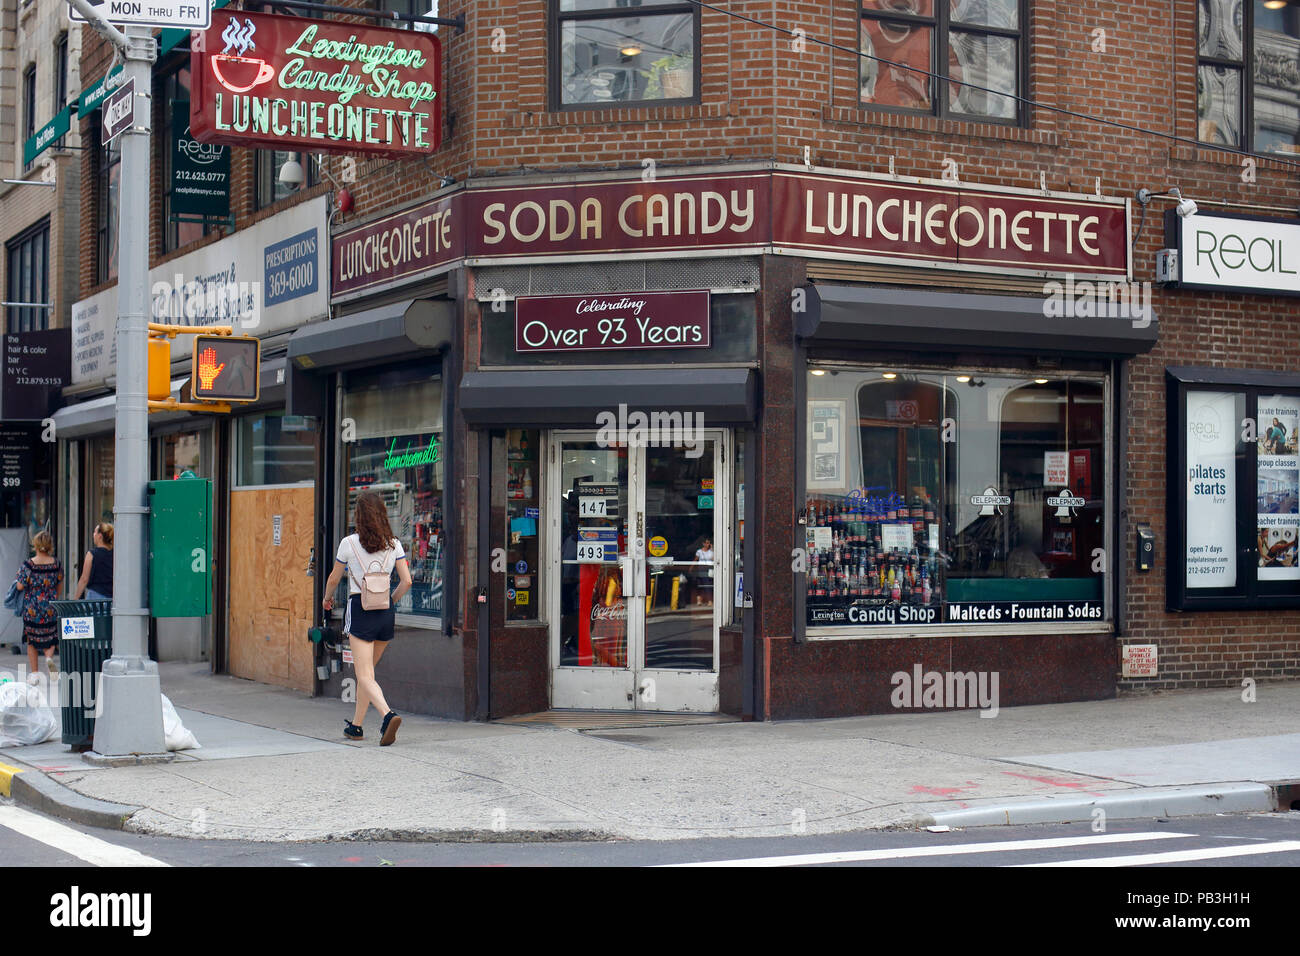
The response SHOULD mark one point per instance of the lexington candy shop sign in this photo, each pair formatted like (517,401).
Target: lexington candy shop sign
(277,81)
(778,210)
(642,320)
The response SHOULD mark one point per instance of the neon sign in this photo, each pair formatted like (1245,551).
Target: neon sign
(332,86)
(410,459)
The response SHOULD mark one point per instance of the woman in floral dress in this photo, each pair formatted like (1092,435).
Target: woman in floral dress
(40,579)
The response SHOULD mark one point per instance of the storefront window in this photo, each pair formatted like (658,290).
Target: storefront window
(1235,510)
(181,452)
(523,517)
(101,485)
(954,497)
(392,430)
(275,449)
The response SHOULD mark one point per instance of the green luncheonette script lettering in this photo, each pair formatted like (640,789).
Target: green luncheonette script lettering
(379,64)
(409,459)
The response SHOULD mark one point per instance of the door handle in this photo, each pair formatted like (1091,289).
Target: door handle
(627,565)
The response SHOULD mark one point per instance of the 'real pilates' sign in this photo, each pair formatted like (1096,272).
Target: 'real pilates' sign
(276,81)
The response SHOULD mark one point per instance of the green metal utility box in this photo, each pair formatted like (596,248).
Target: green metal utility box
(180,547)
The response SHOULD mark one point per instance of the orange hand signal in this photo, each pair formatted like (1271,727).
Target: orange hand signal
(208,368)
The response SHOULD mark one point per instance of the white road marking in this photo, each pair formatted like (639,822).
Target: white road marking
(88,848)
(855,856)
(1179,856)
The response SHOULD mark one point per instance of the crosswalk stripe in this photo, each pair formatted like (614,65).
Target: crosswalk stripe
(953,849)
(84,847)
(1179,856)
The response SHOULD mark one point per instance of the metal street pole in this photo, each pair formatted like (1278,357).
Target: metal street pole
(130,721)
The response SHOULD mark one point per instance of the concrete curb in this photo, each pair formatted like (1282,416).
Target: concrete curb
(39,792)
(1129,805)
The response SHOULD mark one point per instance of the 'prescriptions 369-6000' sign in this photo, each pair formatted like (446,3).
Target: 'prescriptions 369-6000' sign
(260,79)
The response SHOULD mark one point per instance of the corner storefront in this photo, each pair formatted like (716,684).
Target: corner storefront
(666,396)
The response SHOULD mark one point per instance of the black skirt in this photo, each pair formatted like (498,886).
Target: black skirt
(368,625)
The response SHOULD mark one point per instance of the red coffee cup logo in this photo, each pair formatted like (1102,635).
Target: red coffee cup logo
(236,71)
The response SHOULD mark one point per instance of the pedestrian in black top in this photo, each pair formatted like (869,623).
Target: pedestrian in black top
(96,581)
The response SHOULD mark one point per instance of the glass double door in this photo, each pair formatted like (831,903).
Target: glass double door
(640,573)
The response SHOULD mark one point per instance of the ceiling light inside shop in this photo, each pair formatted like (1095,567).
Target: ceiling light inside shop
(891,375)
(819,371)
(963,378)
(1274,4)
(1040,381)
(631,50)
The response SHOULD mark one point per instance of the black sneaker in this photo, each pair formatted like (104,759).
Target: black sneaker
(352,731)
(388,729)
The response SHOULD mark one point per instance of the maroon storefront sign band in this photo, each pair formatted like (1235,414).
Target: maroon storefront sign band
(775,211)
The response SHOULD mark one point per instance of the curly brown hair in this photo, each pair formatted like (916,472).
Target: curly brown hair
(372,522)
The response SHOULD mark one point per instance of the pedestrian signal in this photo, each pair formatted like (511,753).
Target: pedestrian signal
(226,368)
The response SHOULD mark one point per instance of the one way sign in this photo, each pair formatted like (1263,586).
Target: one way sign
(119,111)
(186,14)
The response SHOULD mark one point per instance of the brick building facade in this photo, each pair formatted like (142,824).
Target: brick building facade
(783,93)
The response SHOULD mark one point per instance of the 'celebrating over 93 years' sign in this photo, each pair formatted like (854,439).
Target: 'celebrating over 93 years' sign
(260,79)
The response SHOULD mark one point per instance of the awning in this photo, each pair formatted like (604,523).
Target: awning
(562,397)
(923,319)
(99,415)
(388,332)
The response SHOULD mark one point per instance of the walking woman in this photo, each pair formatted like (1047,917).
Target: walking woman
(96,581)
(372,550)
(40,579)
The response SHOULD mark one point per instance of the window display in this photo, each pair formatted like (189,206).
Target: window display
(954,497)
(1235,509)
(523,518)
(392,431)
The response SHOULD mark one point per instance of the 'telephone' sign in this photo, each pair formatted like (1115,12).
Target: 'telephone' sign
(225,368)
(1237,252)
(261,79)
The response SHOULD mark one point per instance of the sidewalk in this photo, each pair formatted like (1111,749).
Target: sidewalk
(274,766)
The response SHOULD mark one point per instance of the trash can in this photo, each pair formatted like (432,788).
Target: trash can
(85,642)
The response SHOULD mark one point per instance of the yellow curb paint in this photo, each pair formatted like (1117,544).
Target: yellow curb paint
(7,777)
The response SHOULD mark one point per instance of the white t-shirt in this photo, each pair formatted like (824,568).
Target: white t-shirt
(360,561)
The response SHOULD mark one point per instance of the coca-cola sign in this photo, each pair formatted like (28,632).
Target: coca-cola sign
(600,612)
(645,320)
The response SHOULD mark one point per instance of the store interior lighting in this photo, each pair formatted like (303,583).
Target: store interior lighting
(891,375)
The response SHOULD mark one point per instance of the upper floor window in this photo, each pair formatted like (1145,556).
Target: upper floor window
(29,105)
(175,90)
(977,42)
(415,8)
(274,182)
(1248,75)
(28,272)
(108,196)
(625,52)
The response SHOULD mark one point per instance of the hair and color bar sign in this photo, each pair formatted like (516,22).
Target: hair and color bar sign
(275,81)
(640,320)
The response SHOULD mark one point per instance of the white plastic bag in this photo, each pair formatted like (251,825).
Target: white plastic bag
(175,736)
(26,717)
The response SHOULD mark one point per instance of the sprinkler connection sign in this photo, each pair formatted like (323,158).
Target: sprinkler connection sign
(276,81)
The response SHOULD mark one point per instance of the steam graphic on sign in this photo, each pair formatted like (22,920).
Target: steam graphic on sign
(234,71)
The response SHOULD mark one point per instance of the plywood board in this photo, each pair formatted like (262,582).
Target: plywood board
(271,596)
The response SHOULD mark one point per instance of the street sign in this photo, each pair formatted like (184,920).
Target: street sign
(119,110)
(226,368)
(187,14)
